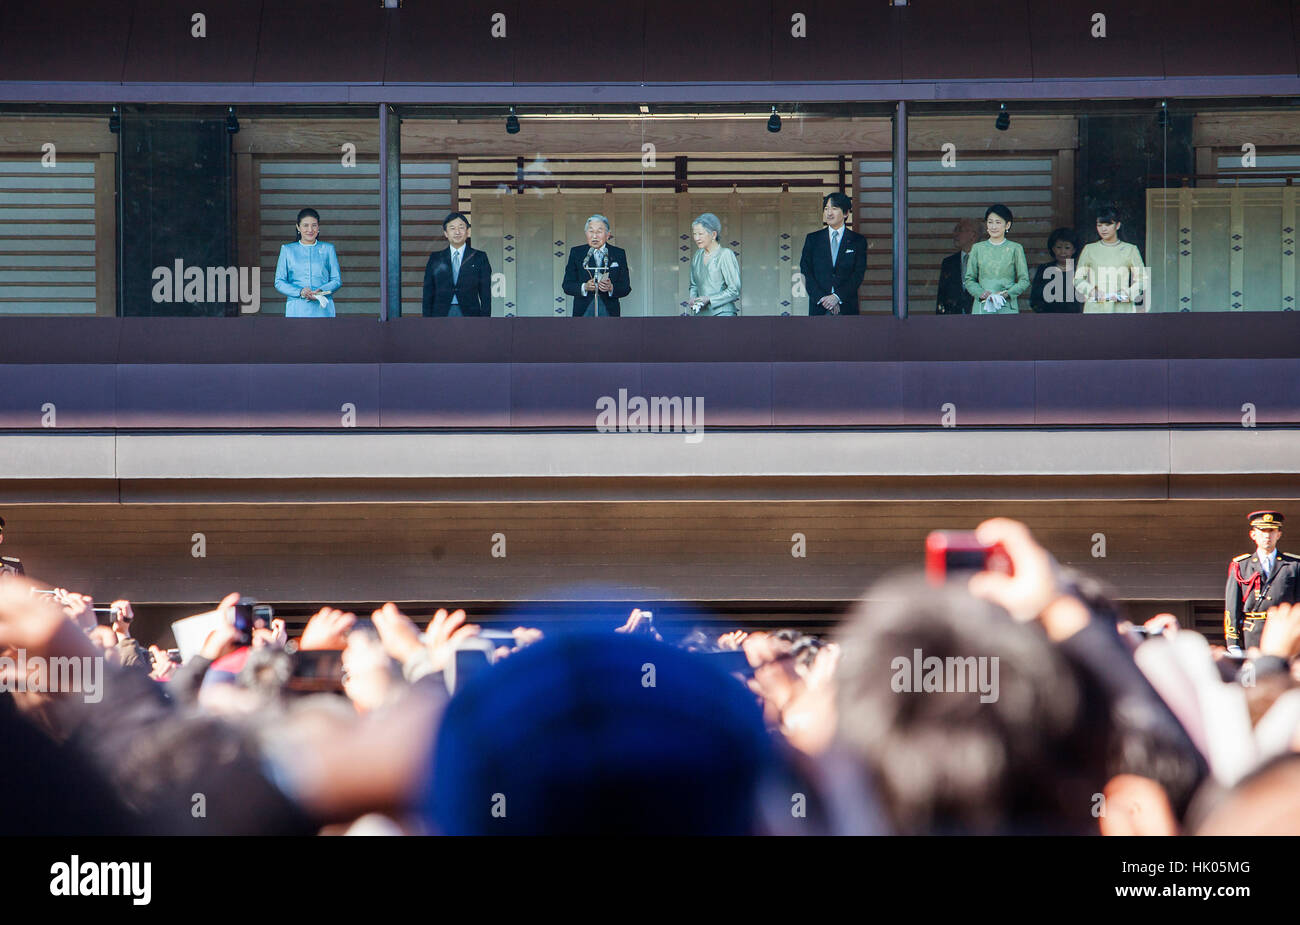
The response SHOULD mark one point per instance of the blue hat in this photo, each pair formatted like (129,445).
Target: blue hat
(606,733)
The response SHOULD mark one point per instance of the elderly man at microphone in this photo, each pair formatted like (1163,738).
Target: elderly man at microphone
(597,274)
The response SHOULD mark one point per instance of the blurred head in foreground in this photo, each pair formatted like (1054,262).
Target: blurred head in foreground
(1023,752)
(599,734)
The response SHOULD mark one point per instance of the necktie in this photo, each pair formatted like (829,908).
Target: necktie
(455,267)
(835,247)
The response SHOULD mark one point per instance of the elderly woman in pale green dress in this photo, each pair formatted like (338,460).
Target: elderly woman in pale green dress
(715,272)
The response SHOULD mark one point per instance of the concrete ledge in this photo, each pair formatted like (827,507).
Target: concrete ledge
(916,454)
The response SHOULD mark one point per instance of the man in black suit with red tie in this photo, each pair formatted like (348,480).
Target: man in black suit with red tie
(834,261)
(458,280)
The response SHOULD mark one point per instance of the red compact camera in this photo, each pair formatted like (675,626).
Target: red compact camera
(951,551)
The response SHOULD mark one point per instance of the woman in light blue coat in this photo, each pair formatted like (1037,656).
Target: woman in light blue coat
(715,272)
(307,269)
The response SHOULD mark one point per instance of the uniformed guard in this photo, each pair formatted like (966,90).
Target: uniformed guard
(1258,581)
(9,565)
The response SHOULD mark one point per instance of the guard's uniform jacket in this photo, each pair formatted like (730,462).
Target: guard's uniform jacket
(1249,595)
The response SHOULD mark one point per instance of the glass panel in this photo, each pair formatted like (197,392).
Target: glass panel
(57,221)
(1050,169)
(529,195)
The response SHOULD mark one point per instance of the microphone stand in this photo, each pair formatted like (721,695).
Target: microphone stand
(598,272)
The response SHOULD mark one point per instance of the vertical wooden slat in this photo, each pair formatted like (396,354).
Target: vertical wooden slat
(1063,188)
(510,221)
(1288,247)
(792,241)
(1206,164)
(246,217)
(1236,251)
(1185,254)
(684,216)
(106,234)
(558,233)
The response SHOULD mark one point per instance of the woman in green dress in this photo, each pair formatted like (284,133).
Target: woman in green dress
(715,272)
(996,271)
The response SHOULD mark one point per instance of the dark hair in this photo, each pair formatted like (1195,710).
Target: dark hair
(304,213)
(1107,213)
(1064,234)
(1000,210)
(839,200)
(451,217)
(1029,760)
(697,640)
(805,651)
(2,523)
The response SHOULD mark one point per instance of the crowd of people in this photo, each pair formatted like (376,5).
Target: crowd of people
(1007,701)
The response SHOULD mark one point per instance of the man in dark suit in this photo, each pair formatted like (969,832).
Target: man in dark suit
(458,280)
(953,298)
(597,275)
(1258,581)
(834,261)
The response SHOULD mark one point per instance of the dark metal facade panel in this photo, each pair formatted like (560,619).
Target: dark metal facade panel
(727,40)
(830,338)
(843,41)
(560,41)
(313,395)
(416,339)
(710,339)
(1244,336)
(163,47)
(574,340)
(445,394)
(566,394)
(1102,392)
(322,41)
(961,394)
(53,340)
(450,43)
(359,43)
(1206,37)
(1068,41)
(186,340)
(837,394)
(176,395)
(57,395)
(276,339)
(955,39)
(1217,391)
(58,40)
(730,394)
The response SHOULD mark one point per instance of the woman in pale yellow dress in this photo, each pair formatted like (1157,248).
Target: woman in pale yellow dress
(1110,274)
